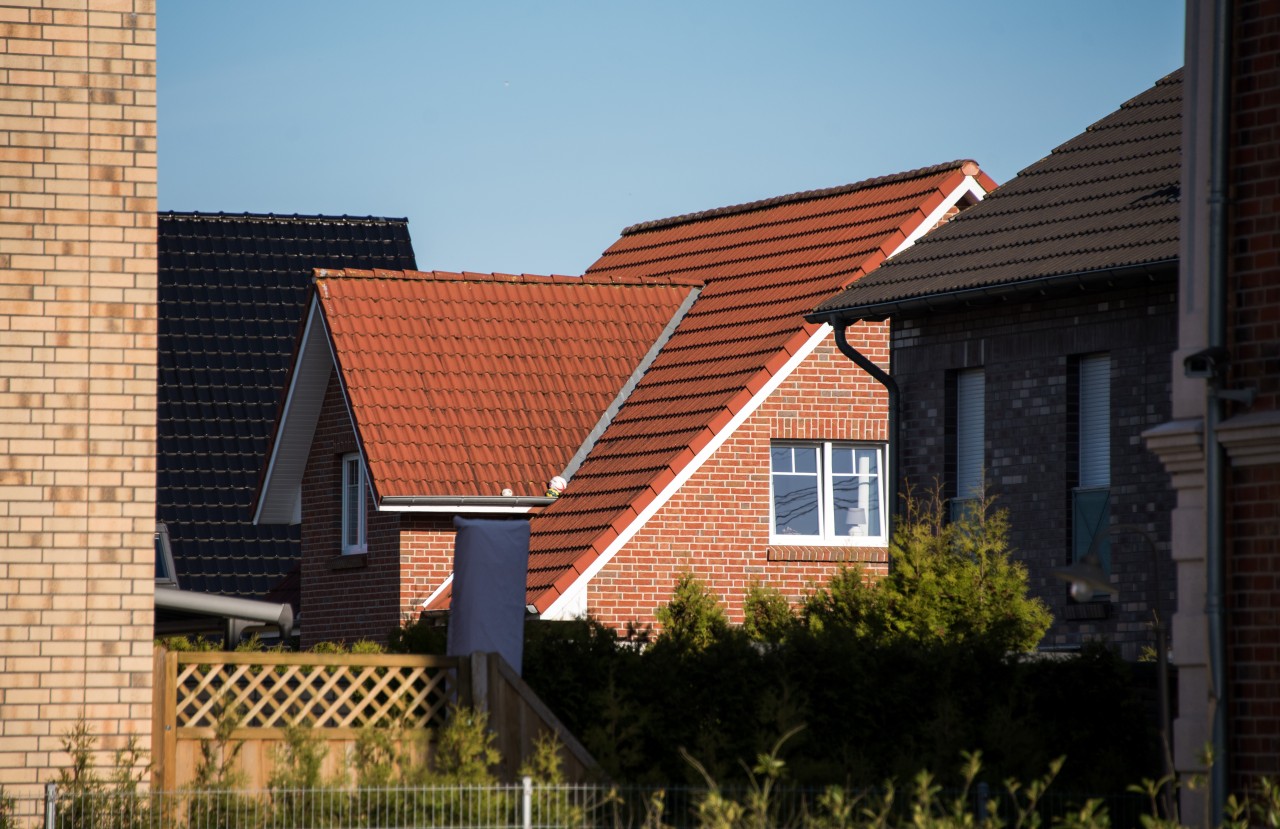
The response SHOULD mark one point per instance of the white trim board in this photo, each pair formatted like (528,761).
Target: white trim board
(570,599)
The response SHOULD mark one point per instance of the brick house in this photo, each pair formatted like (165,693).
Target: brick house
(751,449)
(726,446)
(1030,342)
(1221,442)
(418,397)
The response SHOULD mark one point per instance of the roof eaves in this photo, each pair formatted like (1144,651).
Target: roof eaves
(949,300)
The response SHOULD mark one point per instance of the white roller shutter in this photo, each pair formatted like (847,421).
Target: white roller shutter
(1095,421)
(970,432)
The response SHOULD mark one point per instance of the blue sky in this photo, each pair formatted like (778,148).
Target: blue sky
(523,136)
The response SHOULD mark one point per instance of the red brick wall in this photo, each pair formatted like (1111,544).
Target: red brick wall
(717,525)
(426,545)
(1253,491)
(344,598)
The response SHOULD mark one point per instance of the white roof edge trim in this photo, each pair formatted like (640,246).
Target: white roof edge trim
(448,580)
(564,604)
(969,186)
(480,510)
(287,409)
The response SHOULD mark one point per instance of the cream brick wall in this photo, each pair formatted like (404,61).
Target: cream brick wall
(77,376)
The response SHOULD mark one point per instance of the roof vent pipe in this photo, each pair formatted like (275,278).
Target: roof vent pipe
(890,386)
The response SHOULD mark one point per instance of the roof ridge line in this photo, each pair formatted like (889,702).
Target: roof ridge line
(803,195)
(522,278)
(280,217)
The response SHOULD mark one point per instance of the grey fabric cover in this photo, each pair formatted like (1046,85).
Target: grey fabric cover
(487,609)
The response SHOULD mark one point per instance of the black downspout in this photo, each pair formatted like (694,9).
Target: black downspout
(890,386)
(1215,508)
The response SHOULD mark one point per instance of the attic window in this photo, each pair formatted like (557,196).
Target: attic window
(827,493)
(353,506)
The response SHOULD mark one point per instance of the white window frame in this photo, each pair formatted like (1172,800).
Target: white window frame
(352,464)
(827,536)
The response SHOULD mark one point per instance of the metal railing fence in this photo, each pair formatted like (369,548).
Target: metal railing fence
(522,805)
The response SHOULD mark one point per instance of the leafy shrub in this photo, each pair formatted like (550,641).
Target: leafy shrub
(693,619)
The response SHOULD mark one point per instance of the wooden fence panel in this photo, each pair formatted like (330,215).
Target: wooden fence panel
(337,696)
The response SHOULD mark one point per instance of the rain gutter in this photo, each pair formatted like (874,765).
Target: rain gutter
(450,503)
(950,300)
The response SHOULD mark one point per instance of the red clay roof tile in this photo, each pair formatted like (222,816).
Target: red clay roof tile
(765,265)
(466,384)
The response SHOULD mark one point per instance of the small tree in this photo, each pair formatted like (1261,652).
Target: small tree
(951,582)
(693,619)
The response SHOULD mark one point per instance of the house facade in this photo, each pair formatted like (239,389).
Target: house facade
(77,381)
(752,450)
(1030,342)
(720,434)
(1221,443)
(418,397)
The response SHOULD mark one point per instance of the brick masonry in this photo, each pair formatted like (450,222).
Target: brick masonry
(77,377)
(1028,351)
(717,526)
(1253,488)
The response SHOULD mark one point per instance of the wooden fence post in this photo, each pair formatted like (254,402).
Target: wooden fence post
(164,716)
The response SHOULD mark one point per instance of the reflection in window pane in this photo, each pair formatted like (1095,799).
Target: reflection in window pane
(856,496)
(795,504)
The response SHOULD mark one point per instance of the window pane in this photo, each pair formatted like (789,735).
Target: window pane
(806,459)
(856,497)
(1091,517)
(841,460)
(781,459)
(352,504)
(795,505)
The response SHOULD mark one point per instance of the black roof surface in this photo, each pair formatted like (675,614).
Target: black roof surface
(1107,200)
(232,290)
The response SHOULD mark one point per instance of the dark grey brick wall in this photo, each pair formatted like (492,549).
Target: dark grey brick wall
(1028,351)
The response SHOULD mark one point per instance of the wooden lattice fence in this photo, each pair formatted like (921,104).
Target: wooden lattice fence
(336,696)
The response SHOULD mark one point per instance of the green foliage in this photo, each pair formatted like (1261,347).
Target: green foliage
(8,811)
(767,614)
(464,750)
(214,796)
(86,800)
(950,583)
(298,788)
(879,703)
(693,619)
(425,635)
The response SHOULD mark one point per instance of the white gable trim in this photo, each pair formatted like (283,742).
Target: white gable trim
(969,186)
(448,580)
(281,499)
(569,604)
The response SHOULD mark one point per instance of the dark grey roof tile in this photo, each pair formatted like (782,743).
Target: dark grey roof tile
(1105,200)
(232,288)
